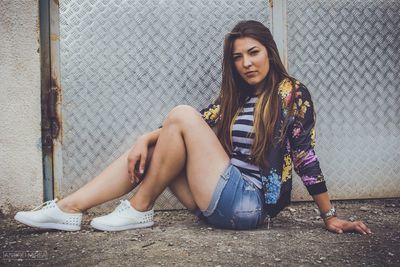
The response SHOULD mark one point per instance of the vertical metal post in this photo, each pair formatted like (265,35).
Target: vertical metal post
(279,27)
(50,96)
(56,93)
(47,143)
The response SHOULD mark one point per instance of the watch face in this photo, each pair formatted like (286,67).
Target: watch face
(329,213)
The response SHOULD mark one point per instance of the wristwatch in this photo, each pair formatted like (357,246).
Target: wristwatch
(329,213)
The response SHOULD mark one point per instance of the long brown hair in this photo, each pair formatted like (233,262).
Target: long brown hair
(234,91)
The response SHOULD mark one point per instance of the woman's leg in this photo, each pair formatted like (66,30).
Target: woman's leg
(186,143)
(180,188)
(111,183)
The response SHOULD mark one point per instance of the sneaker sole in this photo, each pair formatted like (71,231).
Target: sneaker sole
(104,227)
(56,226)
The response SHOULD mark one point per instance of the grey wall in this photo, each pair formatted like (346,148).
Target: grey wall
(20,149)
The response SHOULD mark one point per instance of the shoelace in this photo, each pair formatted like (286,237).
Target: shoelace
(121,207)
(45,204)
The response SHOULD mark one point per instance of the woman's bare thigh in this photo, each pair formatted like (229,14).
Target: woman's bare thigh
(206,158)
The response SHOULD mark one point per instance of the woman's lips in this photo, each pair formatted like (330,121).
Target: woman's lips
(251,74)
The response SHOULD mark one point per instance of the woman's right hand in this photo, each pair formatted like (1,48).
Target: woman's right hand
(137,159)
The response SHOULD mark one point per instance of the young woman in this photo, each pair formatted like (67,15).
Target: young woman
(231,164)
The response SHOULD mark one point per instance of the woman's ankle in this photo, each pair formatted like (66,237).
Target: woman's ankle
(68,207)
(140,205)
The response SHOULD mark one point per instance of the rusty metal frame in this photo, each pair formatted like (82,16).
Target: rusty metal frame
(56,92)
(50,97)
(47,142)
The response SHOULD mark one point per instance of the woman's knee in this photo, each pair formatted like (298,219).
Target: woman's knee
(180,114)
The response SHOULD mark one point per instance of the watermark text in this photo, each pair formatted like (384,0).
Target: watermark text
(25,255)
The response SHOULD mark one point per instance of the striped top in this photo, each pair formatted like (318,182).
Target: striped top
(242,140)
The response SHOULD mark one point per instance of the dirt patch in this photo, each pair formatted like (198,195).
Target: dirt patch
(296,238)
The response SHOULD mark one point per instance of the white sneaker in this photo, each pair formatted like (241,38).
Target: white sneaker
(124,217)
(49,216)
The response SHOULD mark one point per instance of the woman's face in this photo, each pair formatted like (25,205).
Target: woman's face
(251,60)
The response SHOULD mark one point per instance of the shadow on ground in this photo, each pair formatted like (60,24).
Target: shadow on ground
(296,238)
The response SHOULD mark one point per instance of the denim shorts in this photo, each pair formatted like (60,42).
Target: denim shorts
(235,203)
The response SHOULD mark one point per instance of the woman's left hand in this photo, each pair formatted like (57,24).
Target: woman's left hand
(339,226)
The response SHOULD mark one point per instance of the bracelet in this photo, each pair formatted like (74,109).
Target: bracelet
(329,213)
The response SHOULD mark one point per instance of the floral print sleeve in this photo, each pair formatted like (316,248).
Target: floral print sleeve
(211,114)
(301,136)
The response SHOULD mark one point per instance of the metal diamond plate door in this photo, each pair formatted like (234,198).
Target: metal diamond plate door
(348,54)
(124,64)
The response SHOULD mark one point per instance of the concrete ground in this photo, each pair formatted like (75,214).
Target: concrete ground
(296,238)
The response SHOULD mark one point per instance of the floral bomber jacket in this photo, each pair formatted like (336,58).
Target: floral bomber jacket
(297,149)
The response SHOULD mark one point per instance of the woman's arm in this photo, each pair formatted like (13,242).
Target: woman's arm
(306,164)
(334,224)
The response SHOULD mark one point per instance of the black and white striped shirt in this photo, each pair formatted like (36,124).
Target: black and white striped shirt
(242,140)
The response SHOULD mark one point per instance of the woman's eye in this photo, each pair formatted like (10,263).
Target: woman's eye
(236,58)
(253,53)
